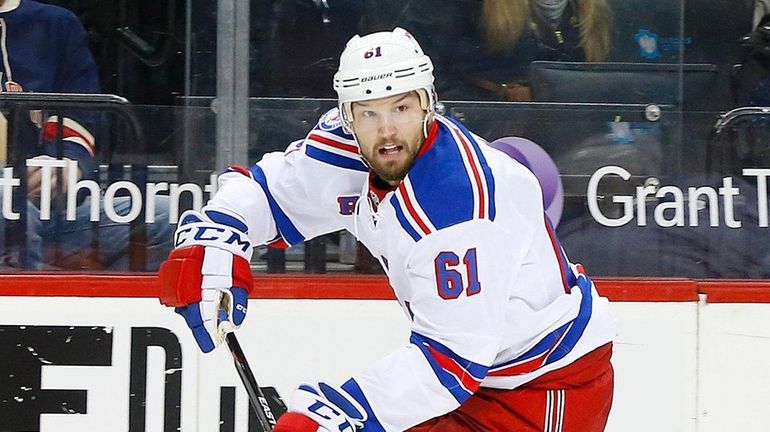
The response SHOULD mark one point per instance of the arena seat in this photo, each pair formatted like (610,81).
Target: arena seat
(630,83)
(740,139)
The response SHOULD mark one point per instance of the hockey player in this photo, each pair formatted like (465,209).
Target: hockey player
(507,335)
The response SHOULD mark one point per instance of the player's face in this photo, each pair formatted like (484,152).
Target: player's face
(389,132)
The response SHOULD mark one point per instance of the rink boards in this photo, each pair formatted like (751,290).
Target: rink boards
(94,353)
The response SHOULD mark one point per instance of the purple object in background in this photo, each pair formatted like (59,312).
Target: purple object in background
(540,163)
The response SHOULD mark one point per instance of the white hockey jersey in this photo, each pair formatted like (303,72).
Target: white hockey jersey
(467,248)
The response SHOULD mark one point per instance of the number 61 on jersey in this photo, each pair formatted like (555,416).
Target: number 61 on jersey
(449,274)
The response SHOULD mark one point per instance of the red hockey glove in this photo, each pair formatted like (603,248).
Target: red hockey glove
(207,277)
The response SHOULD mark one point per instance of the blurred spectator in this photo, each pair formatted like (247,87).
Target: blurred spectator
(484,47)
(761,8)
(45,49)
(302,40)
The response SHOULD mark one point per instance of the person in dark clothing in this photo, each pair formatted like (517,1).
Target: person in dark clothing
(45,49)
(483,48)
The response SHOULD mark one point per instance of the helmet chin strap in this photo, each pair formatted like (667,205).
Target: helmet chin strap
(358,144)
(427,102)
(426,122)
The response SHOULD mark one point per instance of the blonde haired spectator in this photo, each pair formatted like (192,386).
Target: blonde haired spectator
(483,48)
(761,8)
(504,21)
(573,30)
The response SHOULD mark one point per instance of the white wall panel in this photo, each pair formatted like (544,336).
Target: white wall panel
(734,387)
(666,379)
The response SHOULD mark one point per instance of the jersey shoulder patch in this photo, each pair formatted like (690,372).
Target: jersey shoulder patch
(330,121)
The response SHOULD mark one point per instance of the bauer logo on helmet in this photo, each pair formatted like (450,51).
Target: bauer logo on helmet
(377,77)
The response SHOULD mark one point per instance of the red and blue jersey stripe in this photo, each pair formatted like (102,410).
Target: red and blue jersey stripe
(334,147)
(461,377)
(555,345)
(450,164)
(568,277)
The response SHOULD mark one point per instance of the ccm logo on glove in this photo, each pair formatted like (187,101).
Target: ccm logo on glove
(205,233)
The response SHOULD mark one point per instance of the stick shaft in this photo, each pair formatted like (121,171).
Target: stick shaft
(257,399)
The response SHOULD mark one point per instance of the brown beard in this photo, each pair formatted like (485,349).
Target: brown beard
(391,173)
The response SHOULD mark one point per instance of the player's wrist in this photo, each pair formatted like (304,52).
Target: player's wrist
(295,422)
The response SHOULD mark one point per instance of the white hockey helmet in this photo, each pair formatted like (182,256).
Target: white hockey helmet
(380,65)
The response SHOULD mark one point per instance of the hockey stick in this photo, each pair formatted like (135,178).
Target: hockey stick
(257,399)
